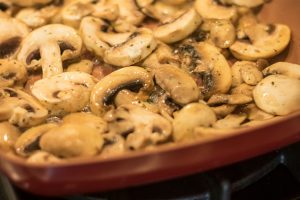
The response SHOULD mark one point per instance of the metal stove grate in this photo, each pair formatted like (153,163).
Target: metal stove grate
(275,176)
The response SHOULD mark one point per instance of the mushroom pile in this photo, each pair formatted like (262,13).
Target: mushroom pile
(84,78)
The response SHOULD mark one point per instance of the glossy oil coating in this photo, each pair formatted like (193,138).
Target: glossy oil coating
(137,168)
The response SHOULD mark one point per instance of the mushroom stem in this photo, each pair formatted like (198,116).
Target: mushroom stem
(50,54)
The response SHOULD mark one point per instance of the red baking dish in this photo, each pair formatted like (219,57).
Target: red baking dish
(98,174)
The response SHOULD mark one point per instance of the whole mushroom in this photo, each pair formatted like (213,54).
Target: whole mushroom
(48,46)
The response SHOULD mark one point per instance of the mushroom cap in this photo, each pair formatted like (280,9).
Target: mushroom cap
(12,33)
(42,157)
(20,108)
(179,85)
(210,9)
(64,93)
(12,72)
(180,28)
(48,46)
(88,119)
(190,117)
(278,95)
(103,93)
(72,140)
(8,136)
(284,68)
(266,42)
(28,142)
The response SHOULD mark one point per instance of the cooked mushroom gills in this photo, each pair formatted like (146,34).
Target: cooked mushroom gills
(85,78)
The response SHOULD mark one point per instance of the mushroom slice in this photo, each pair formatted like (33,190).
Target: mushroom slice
(213,70)
(230,121)
(266,41)
(149,129)
(113,145)
(29,3)
(278,95)
(223,110)
(64,93)
(233,99)
(245,3)
(245,72)
(72,140)
(87,119)
(180,28)
(179,85)
(119,49)
(190,117)
(222,33)
(35,18)
(28,142)
(42,157)
(12,72)
(20,108)
(48,46)
(82,66)
(284,68)
(256,114)
(129,15)
(6,8)
(210,9)
(11,36)
(162,10)
(243,89)
(8,136)
(132,78)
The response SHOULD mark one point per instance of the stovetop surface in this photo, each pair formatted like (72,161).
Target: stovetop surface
(275,176)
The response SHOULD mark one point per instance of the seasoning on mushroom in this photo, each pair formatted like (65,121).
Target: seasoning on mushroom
(12,73)
(64,93)
(48,46)
(20,108)
(132,78)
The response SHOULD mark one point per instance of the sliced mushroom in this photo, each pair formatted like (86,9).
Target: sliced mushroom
(230,121)
(266,41)
(223,110)
(211,70)
(243,89)
(245,72)
(87,119)
(82,66)
(20,108)
(106,9)
(180,28)
(42,157)
(11,36)
(278,95)
(211,9)
(190,117)
(28,142)
(129,15)
(132,78)
(12,72)
(222,33)
(256,114)
(126,49)
(149,129)
(179,85)
(113,145)
(6,8)
(72,140)
(48,46)
(35,18)
(64,93)
(209,133)
(29,3)
(8,136)
(283,68)
(245,3)
(233,99)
